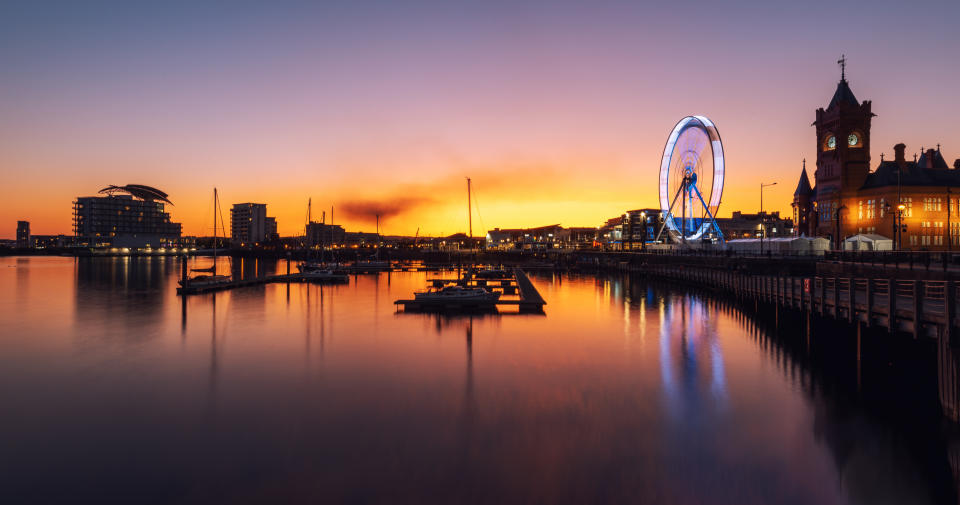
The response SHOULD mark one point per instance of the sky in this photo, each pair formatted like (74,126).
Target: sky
(558,111)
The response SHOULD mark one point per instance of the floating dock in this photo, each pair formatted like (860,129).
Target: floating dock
(529,300)
(256,281)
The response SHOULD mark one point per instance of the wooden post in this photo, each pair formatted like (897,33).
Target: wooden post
(836,298)
(823,295)
(891,305)
(183,270)
(852,299)
(869,300)
(917,307)
(949,301)
(802,295)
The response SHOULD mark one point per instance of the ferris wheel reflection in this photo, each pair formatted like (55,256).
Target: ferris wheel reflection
(690,353)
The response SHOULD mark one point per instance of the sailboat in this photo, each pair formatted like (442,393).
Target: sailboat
(318,270)
(375,264)
(212,278)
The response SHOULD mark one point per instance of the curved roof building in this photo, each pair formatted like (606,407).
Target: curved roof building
(140,191)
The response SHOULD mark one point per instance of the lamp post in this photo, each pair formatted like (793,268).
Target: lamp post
(643,231)
(763,228)
(899,220)
(839,237)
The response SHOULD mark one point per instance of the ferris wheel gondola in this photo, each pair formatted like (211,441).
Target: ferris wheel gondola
(691,181)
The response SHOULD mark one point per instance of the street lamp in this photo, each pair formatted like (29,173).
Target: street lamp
(899,221)
(643,231)
(763,229)
(838,237)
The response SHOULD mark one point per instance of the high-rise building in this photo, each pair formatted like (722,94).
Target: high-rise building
(271,228)
(128,216)
(23,234)
(249,223)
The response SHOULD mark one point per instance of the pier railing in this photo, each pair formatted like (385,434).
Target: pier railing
(920,307)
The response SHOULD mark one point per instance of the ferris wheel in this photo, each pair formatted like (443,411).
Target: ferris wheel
(691,181)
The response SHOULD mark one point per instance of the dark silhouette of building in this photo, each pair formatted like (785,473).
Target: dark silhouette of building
(23,234)
(803,205)
(249,223)
(322,234)
(128,216)
(740,225)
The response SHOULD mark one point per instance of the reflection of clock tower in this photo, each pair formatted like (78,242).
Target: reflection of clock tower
(843,154)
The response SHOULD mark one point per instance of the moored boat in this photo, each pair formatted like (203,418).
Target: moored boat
(457,294)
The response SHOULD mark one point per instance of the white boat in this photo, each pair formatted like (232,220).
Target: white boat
(492,273)
(457,294)
(324,275)
(306,267)
(202,281)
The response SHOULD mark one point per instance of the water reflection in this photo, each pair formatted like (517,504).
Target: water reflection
(624,392)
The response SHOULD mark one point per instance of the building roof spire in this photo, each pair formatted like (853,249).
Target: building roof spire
(803,187)
(843,95)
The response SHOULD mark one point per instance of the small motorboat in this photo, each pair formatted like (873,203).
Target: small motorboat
(493,273)
(324,275)
(457,294)
(200,281)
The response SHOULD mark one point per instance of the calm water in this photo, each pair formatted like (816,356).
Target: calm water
(112,390)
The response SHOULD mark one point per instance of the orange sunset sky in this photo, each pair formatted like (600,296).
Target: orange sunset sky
(558,112)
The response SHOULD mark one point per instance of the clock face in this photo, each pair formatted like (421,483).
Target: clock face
(853,140)
(832,142)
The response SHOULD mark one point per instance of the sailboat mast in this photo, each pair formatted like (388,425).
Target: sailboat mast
(216,205)
(469,213)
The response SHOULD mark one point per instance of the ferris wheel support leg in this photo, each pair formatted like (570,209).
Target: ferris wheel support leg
(707,209)
(669,214)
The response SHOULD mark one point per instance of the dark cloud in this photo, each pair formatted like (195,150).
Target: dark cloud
(387,207)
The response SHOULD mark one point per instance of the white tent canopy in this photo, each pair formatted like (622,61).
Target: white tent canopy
(868,242)
(781,245)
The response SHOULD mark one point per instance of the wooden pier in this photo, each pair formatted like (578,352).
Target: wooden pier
(529,300)
(918,307)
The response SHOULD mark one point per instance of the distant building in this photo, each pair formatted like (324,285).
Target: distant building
(128,216)
(543,237)
(610,235)
(249,223)
(502,240)
(48,241)
(23,234)
(322,234)
(741,225)
(271,229)
(640,226)
(578,237)
(360,238)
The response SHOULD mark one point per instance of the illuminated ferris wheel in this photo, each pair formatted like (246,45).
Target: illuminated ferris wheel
(691,181)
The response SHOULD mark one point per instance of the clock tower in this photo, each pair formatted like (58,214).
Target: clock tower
(843,153)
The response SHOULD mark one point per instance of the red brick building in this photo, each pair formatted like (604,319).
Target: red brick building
(848,198)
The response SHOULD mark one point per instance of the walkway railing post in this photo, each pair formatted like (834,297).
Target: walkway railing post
(949,308)
(852,299)
(836,298)
(892,305)
(917,307)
